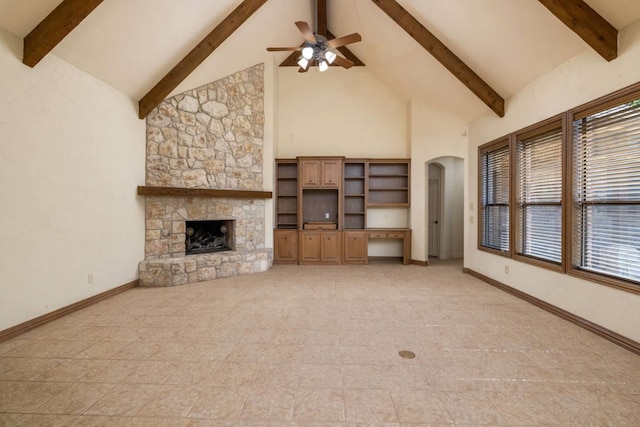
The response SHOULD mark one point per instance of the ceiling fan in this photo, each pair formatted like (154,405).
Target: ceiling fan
(317,50)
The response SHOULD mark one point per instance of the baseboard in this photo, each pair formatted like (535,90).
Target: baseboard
(614,337)
(14,331)
(420,263)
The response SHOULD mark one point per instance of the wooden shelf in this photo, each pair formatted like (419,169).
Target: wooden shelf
(144,190)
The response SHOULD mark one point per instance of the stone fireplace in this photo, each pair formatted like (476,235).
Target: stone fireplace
(209,236)
(208,138)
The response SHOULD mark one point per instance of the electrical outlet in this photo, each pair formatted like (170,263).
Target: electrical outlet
(90,278)
(326,215)
(506,269)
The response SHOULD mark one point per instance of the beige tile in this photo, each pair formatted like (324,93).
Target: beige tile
(76,399)
(471,408)
(278,376)
(320,376)
(49,349)
(123,400)
(25,397)
(220,403)
(102,350)
(369,406)
(151,372)
(268,403)
(246,353)
(46,420)
(156,422)
(211,352)
(481,354)
(101,421)
(26,368)
(194,373)
(326,405)
(171,401)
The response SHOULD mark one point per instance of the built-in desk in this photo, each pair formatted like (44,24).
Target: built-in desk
(394,233)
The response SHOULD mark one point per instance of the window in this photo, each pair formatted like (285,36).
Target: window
(606,190)
(494,196)
(570,201)
(538,215)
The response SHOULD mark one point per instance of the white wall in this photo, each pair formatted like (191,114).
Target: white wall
(434,134)
(72,155)
(581,79)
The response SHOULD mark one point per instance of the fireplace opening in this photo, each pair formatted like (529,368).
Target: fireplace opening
(209,236)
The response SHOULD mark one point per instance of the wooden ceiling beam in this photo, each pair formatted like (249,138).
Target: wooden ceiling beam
(596,31)
(443,54)
(197,55)
(55,27)
(321,17)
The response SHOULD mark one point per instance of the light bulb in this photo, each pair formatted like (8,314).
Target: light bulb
(330,56)
(307,52)
(303,62)
(323,65)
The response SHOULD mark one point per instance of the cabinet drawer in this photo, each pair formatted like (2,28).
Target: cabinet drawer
(377,235)
(396,234)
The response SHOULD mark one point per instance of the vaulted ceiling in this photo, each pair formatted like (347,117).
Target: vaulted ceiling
(133,45)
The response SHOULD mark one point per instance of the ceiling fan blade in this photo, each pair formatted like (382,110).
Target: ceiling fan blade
(344,40)
(343,62)
(306,31)
(282,49)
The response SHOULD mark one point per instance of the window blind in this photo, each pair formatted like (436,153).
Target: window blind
(494,198)
(606,192)
(539,196)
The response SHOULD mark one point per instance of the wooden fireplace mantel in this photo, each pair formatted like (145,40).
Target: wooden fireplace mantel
(144,190)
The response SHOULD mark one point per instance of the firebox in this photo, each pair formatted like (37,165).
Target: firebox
(209,236)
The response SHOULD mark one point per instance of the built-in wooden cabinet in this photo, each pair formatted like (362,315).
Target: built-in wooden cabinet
(320,173)
(322,203)
(355,247)
(286,246)
(320,247)
(286,194)
(355,202)
(389,183)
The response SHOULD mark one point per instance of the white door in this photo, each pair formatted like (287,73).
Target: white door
(434,217)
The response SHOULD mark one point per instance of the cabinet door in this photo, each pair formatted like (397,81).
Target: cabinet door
(310,173)
(310,246)
(330,247)
(331,173)
(355,247)
(286,246)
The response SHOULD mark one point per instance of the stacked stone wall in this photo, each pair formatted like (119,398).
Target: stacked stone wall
(210,137)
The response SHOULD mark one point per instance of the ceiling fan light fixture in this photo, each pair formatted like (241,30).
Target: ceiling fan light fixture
(323,65)
(307,52)
(303,62)
(330,56)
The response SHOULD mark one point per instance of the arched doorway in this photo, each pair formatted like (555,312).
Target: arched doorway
(445,207)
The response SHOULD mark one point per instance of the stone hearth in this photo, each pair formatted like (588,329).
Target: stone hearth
(209,138)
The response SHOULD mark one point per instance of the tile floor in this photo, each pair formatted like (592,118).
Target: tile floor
(318,346)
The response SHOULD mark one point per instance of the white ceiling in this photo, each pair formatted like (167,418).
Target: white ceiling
(132,44)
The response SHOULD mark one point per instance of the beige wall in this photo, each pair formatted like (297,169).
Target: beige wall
(72,155)
(339,113)
(579,80)
(434,134)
